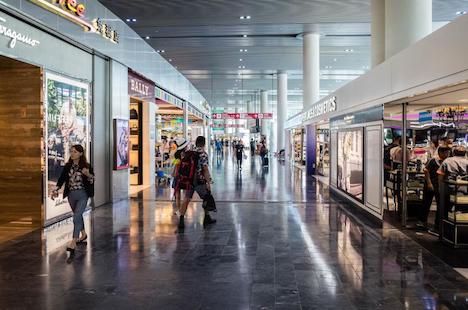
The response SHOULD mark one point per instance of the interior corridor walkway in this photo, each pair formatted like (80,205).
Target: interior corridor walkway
(280,243)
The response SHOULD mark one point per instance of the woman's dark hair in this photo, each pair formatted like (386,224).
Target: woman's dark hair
(83,163)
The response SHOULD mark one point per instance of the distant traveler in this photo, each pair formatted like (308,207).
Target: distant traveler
(252,147)
(239,153)
(263,153)
(78,177)
(194,176)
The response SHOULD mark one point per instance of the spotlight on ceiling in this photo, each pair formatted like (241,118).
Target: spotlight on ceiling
(147,38)
(349,50)
(244,36)
(134,20)
(245,17)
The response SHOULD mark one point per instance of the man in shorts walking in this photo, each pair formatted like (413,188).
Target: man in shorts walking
(201,183)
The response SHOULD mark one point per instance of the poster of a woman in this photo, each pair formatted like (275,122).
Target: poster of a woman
(121,144)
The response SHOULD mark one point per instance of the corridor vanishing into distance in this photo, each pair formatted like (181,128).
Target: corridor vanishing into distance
(281,242)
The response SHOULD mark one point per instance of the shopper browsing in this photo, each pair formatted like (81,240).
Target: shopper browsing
(78,177)
(431,186)
(451,168)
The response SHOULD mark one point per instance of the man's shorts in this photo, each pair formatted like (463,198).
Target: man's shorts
(201,190)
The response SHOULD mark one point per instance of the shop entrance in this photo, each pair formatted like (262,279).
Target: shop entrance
(21,141)
(136,139)
(424,126)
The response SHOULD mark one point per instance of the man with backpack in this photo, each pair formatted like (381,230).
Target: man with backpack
(194,176)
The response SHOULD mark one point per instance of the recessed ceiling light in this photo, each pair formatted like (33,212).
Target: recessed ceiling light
(349,50)
(147,38)
(245,36)
(460,13)
(129,20)
(134,20)
(239,67)
(240,59)
(245,17)
(334,59)
(170,60)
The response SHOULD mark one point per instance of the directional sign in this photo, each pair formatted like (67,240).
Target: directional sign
(242,116)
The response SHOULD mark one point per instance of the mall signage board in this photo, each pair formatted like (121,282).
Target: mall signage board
(320,109)
(242,115)
(74,11)
(140,87)
(16,36)
(425,117)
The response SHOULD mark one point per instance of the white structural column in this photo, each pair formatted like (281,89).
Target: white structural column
(185,121)
(263,109)
(311,69)
(281,109)
(405,23)
(378,32)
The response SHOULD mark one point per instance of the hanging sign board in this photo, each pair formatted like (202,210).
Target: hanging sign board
(425,117)
(242,116)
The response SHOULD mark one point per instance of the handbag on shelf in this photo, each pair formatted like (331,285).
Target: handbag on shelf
(133,114)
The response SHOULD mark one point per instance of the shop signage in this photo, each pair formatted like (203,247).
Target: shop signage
(242,115)
(425,117)
(227,126)
(74,11)
(320,108)
(140,88)
(16,36)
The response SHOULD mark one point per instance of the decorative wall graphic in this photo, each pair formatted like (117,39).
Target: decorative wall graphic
(121,144)
(350,162)
(67,107)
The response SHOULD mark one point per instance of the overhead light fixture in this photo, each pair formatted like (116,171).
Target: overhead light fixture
(334,59)
(460,13)
(349,50)
(170,60)
(147,38)
(245,17)
(240,59)
(134,20)
(128,20)
(239,67)
(244,36)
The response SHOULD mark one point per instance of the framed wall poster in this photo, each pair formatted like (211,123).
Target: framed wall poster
(350,174)
(67,107)
(121,144)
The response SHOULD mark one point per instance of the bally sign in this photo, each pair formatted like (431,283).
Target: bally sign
(320,108)
(16,36)
(140,88)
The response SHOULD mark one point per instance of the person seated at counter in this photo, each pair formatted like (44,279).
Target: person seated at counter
(431,186)
(396,153)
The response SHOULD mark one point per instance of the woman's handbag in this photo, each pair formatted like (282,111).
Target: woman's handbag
(209,203)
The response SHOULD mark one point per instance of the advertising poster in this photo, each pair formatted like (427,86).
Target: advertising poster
(121,144)
(67,109)
(350,162)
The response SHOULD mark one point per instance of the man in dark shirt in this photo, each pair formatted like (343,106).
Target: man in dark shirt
(239,153)
(431,186)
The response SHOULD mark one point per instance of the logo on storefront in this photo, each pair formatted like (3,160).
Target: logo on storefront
(139,87)
(74,11)
(321,108)
(16,36)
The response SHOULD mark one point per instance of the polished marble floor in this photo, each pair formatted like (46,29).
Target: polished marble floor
(278,244)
